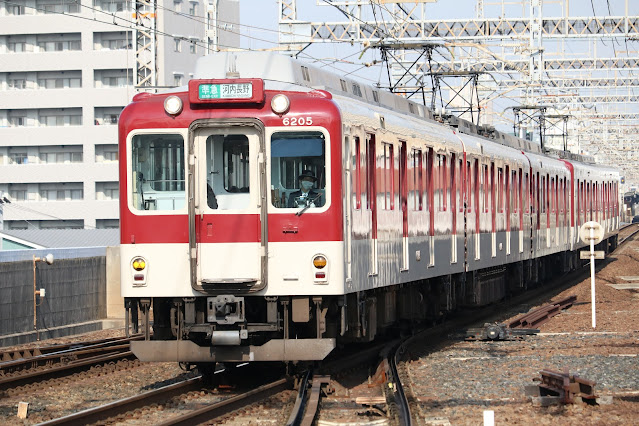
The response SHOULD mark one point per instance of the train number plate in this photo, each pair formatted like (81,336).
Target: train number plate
(297,121)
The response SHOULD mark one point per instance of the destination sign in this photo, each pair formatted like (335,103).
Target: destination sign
(226,91)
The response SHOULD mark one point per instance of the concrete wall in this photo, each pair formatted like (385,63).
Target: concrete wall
(114,302)
(77,297)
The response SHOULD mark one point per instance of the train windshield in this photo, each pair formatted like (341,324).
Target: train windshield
(298,169)
(158,172)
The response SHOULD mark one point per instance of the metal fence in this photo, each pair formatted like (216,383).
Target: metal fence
(75,290)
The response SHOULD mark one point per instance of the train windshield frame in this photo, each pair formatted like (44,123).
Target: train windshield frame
(298,155)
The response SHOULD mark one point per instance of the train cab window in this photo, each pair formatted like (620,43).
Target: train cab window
(298,157)
(227,172)
(157,172)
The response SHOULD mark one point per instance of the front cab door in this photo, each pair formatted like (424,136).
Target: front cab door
(227,215)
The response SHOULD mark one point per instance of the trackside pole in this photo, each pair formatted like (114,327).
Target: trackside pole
(592,233)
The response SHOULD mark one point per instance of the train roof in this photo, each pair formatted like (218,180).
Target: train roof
(280,72)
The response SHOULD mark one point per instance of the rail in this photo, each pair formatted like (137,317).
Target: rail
(543,314)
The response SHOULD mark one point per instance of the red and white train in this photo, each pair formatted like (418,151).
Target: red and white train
(412,217)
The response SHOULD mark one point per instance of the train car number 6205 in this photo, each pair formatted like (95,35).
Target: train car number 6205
(297,121)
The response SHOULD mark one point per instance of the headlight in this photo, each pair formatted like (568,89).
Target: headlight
(173,105)
(280,104)
(319,261)
(138,264)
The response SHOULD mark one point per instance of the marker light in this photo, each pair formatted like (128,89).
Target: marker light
(173,105)
(280,104)
(139,264)
(319,261)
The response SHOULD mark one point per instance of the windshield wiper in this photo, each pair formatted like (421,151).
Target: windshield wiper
(308,205)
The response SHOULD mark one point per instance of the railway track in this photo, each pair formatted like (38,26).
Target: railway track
(395,389)
(627,232)
(29,366)
(132,407)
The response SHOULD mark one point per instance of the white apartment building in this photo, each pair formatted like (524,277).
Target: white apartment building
(67,69)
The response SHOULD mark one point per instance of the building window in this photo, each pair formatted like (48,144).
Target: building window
(15,9)
(60,157)
(60,120)
(55,192)
(106,153)
(49,45)
(178,44)
(18,158)
(193,9)
(112,5)
(15,224)
(59,83)
(178,79)
(17,47)
(58,6)
(177,6)
(17,121)
(107,191)
(193,47)
(18,194)
(107,223)
(17,83)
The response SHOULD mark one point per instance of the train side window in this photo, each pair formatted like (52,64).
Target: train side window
(453,183)
(158,172)
(296,155)
(500,189)
(440,183)
(371,193)
(491,189)
(358,175)
(418,180)
(430,176)
(543,194)
(552,195)
(475,191)
(483,181)
(514,184)
(526,192)
(469,187)
(388,177)
(460,185)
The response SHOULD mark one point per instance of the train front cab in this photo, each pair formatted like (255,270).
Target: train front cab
(236,265)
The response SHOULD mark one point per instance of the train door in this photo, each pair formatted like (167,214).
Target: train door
(371,199)
(227,220)
(403,195)
(520,203)
(351,167)
(453,206)
(507,200)
(493,209)
(477,176)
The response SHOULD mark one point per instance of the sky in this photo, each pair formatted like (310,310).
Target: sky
(259,19)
